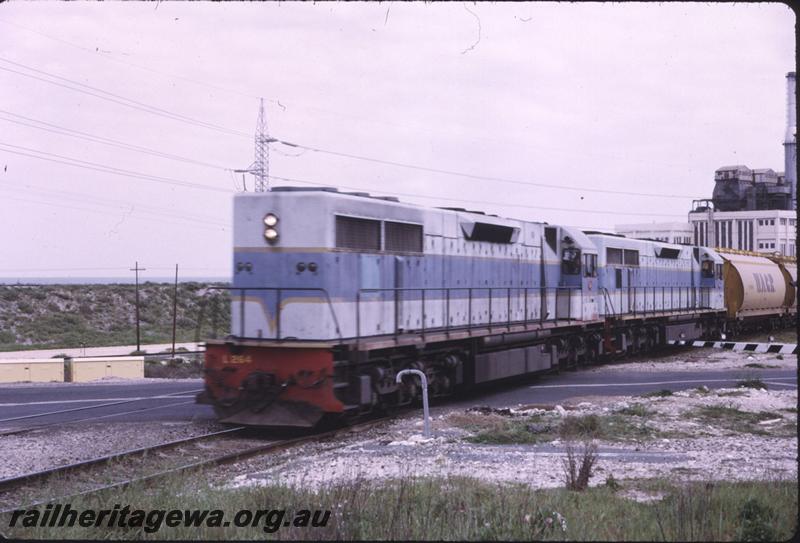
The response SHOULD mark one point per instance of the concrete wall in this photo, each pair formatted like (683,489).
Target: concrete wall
(90,369)
(38,370)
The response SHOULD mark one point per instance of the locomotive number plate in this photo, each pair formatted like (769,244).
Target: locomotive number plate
(237,359)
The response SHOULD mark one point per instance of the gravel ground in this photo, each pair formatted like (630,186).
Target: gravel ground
(398,450)
(704,359)
(49,447)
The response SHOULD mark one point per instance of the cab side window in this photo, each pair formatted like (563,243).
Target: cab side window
(571,261)
(590,265)
(707,269)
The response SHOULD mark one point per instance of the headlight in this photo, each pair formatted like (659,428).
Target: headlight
(270,219)
(271,234)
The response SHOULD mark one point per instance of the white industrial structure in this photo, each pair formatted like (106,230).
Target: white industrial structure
(751,209)
(671,232)
(765,231)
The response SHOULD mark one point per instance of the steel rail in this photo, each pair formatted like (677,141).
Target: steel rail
(12,482)
(216,461)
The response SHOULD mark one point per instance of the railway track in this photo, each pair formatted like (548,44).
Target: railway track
(92,476)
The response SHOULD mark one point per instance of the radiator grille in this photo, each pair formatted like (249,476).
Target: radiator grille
(361,234)
(402,237)
(613,256)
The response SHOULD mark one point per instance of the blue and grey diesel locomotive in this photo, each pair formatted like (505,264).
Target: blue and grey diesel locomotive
(334,293)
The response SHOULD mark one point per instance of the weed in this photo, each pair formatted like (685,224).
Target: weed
(751,383)
(577,478)
(610,427)
(760,365)
(455,508)
(636,410)
(581,426)
(733,419)
(757,521)
(663,393)
(612,483)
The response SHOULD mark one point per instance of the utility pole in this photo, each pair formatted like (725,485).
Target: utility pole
(260,166)
(137,269)
(174,310)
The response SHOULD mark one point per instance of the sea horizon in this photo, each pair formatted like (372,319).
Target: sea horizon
(16,280)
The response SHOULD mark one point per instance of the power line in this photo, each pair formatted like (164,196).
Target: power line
(158,111)
(129,173)
(121,100)
(107,56)
(107,169)
(117,204)
(479,202)
(481,177)
(56,129)
(102,212)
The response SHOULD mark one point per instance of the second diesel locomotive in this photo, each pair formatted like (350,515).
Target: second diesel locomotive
(334,293)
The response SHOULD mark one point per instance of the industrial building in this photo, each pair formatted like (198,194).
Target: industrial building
(672,232)
(750,209)
(765,231)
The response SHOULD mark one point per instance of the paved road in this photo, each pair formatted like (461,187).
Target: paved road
(556,388)
(174,400)
(139,401)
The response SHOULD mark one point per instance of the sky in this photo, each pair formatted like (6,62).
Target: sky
(121,123)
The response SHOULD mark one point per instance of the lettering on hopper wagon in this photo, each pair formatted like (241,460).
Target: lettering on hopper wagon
(764,282)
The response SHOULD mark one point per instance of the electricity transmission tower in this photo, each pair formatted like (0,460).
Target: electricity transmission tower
(260,166)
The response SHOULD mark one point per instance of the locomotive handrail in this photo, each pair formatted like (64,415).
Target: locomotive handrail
(688,298)
(280,291)
(608,301)
(469,325)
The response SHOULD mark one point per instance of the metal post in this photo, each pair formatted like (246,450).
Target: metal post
(569,305)
(174,310)
(358,316)
(241,312)
(469,309)
(447,312)
(542,306)
(423,313)
(490,309)
(137,269)
(427,426)
(508,311)
(278,316)
(396,313)
(526,307)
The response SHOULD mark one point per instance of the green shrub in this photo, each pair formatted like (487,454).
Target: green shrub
(757,521)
